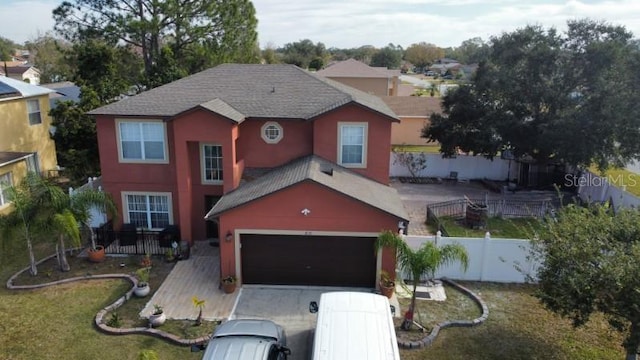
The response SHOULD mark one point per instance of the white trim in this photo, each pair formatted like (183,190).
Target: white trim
(365,141)
(125,207)
(165,154)
(264,135)
(238,232)
(202,172)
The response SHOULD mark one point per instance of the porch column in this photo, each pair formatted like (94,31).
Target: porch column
(183,184)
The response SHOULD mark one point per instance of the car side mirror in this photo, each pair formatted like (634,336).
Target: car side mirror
(313,307)
(198,347)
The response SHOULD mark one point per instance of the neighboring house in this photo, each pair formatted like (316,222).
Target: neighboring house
(378,81)
(63,91)
(26,73)
(25,141)
(414,113)
(290,169)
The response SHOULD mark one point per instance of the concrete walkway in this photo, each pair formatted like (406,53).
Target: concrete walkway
(197,276)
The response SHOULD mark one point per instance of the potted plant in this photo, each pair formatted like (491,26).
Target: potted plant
(170,256)
(158,317)
(229,284)
(387,285)
(95,253)
(142,288)
(146,261)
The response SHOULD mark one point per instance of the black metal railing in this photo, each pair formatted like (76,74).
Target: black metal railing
(130,240)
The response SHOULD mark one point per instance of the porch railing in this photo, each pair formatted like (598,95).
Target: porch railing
(129,240)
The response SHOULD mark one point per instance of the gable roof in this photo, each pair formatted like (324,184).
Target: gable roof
(240,91)
(414,105)
(316,169)
(11,88)
(354,68)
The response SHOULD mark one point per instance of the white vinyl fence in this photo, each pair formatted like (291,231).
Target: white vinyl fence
(466,167)
(98,216)
(496,260)
(594,188)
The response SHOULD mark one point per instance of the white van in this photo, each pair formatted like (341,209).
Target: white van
(354,325)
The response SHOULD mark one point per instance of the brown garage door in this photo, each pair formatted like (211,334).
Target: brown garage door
(308,260)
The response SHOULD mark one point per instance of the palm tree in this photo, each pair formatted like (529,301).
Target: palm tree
(41,209)
(425,260)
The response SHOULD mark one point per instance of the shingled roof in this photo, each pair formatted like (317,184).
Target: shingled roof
(414,105)
(239,91)
(354,68)
(321,171)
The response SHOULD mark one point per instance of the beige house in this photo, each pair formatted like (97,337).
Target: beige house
(414,113)
(26,73)
(373,80)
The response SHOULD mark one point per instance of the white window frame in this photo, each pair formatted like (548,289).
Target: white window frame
(122,159)
(125,206)
(31,103)
(266,128)
(365,132)
(203,169)
(6,181)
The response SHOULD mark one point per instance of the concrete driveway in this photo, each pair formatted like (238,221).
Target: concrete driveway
(288,307)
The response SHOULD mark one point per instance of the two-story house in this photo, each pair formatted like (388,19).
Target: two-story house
(288,169)
(25,140)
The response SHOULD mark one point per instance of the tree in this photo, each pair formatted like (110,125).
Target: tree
(415,162)
(546,96)
(303,53)
(425,260)
(471,51)
(222,31)
(589,263)
(6,48)
(43,210)
(49,54)
(389,56)
(422,54)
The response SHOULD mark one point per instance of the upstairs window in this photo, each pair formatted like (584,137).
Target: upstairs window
(211,157)
(352,144)
(142,141)
(6,181)
(33,109)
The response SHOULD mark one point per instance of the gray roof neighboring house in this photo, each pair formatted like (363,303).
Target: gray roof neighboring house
(240,91)
(20,88)
(355,68)
(323,172)
(64,91)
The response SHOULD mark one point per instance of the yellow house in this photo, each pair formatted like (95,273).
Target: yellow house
(25,134)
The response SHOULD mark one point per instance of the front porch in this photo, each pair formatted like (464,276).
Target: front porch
(197,276)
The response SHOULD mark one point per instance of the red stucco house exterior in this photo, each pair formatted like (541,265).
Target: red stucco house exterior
(288,169)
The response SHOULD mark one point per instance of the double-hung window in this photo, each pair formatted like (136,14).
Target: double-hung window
(352,144)
(148,211)
(211,157)
(142,141)
(33,109)
(5,183)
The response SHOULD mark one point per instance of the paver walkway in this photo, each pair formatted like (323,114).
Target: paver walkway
(197,276)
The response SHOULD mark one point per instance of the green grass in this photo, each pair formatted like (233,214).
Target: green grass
(518,228)
(430,149)
(621,178)
(57,322)
(518,328)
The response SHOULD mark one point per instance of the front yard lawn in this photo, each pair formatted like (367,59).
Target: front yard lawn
(57,322)
(517,228)
(518,328)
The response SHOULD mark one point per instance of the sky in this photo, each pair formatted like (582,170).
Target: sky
(354,23)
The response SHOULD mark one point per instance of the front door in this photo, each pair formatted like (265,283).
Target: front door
(212,226)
